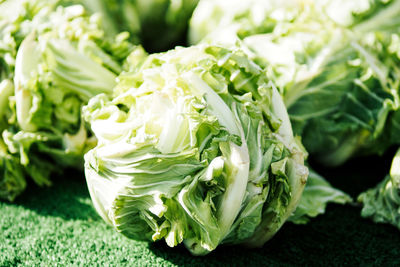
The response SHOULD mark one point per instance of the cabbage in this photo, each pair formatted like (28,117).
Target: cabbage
(382,203)
(336,63)
(12,31)
(239,19)
(157,24)
(338,73)
(57,59)
(195,147)
(12,181)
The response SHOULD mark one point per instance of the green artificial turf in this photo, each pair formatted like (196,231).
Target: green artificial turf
(58,226)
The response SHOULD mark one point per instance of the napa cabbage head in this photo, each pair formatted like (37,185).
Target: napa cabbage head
(196,147)
(57,58)
(12,16)
(359,67)
(335,63)
(157,24)
(240,18)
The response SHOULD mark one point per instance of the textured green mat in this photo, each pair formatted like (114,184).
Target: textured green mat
(58,227)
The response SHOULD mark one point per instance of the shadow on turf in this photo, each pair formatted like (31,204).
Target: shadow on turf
(228,255)
(68,198)
(273,253)
(339,237)
(358,174)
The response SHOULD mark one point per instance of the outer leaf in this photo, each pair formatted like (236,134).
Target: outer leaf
(382,203)
(317,194)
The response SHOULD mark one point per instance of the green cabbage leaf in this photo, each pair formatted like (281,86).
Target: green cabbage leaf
(315,198)
(382,203)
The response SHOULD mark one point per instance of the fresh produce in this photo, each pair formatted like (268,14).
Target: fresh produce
(158,25)
(195,147)
(336,64)
(12,180)
(315,198)
(382,203)
(54,60)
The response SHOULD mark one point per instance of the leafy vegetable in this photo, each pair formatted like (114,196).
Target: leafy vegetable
(12,180)
(317,194)
(338,74)
(336,64)
(239,19)
(195,147)
(158,25)
(382,203)
(58,58)
(12,14)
